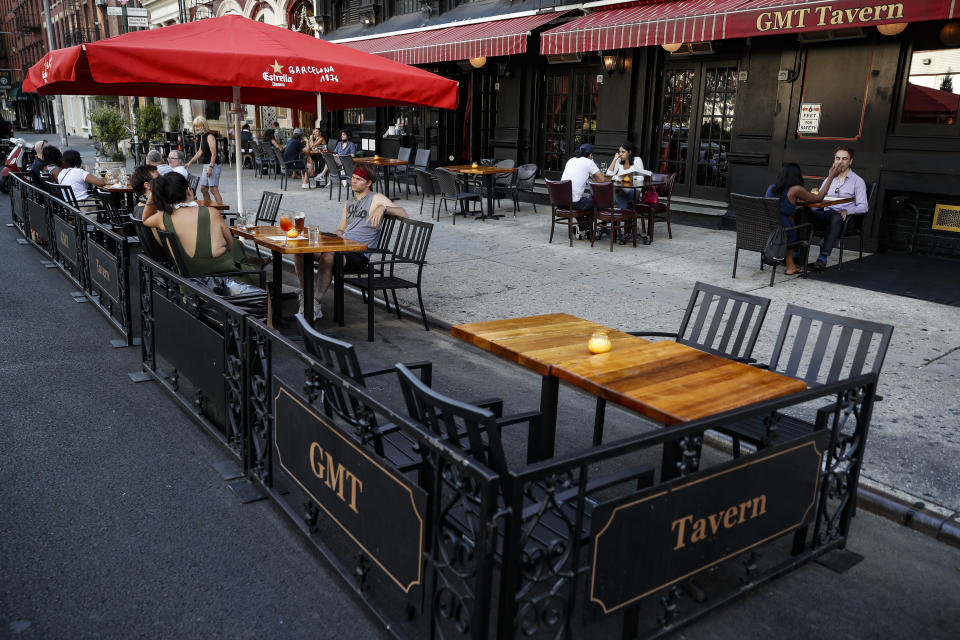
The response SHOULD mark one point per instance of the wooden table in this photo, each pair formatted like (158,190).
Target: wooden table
(668,382)
(124,191)
(385,164)
(826,202)
(273,238)
(213,204)
(489,174)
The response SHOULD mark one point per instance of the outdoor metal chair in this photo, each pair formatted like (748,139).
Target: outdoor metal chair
(267,215)
(450,191)
(818,348)
(661,210)
(525,180)
(383,248)
(334,175)
(348,164)
(260,166)
(194,182)
(400,172)
(756,218)
(386,440)
(425,184)
(606,211)
(852,227)
(409,252)
(720,321)
(421,161)
(561,207)
(476,431)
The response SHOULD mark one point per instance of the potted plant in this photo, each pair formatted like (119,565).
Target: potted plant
(108,128)
(149,122)
(176,119)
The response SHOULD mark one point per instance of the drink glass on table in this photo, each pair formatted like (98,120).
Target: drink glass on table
(313,234)
(299,220)
(286,223)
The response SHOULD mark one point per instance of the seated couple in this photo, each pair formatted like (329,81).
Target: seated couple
(841,183)
(208,246)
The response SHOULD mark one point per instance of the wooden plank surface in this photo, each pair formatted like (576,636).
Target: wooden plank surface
(537,342)
(329,243)
(826,202)
(674,383)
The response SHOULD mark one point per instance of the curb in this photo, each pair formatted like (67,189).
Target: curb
(937,522)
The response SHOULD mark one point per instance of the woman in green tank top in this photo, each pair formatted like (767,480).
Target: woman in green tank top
(208,246)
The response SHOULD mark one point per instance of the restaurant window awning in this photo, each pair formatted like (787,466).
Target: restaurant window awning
(484,39)
(703,20)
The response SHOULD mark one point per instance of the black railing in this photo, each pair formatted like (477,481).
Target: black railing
(94,255)
(584,545)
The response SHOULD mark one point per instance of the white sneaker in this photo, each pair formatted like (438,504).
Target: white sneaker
(300,300)
(317,311)
(304,185)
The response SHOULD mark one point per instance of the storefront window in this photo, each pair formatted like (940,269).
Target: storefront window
(352,116)
(933,88)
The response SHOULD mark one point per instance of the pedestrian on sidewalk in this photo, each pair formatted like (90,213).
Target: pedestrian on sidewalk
(293,160)
(37,123)
(207,154)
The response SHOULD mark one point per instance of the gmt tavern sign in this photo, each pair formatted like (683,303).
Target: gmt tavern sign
(701,520)
(381,511)
(827,15)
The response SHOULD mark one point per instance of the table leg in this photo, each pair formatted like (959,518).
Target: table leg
(338,288)
(386,182)
(276,291)
(490,215)
(540,440)
(308,287)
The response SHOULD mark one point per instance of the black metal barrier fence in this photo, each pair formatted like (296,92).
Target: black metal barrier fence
(579,546)
(95,256)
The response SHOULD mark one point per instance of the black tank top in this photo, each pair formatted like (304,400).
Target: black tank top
(205,147)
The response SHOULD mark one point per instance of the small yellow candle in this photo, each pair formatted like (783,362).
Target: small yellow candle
(474,165)
(599,342)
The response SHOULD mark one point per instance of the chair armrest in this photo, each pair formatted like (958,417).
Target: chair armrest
(426,371)
(517,418)
(661,334)
(491,404)
(760,365)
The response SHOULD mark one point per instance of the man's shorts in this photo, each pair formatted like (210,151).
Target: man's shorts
(355,262)
(214,179)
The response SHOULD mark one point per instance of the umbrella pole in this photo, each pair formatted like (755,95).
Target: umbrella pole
(239,155)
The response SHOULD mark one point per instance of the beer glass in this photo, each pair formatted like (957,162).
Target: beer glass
(298,219)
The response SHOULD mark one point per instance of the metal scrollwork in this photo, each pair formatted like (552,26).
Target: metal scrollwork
(670,604)
(689,454)
(261,417)
(361,570)
(770,422)
(147,353)
(311,515)
(234,379)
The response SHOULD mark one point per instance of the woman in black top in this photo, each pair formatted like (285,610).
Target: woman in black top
(209,159)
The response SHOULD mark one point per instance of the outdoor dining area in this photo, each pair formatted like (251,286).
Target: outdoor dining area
(690,471)
(509,519)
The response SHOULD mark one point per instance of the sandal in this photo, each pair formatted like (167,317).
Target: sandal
(796,272)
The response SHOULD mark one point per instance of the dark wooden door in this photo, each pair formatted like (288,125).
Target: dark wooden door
(696,124)
(569,117)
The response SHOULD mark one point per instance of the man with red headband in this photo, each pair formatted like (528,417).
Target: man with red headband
(360,221)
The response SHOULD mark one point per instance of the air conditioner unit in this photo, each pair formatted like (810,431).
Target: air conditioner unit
(831,34)
(563,58)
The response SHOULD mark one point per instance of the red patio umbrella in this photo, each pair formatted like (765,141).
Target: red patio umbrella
(235,59)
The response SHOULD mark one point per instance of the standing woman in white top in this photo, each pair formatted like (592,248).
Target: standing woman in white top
(75,177)
(626,163)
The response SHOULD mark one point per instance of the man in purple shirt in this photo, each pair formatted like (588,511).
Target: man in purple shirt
(846,185)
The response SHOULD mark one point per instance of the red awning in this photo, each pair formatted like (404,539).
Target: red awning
(484,39)
(679,21)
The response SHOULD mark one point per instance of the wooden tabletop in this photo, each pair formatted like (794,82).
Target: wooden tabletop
(538,342)
(666,381)
(643,183)
(381,162)
(273,239)
(485,171)
(213,204)
(826,202)
(672,382)
(118,188)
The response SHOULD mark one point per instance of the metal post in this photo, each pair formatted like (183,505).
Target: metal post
(59,119)
(237,110)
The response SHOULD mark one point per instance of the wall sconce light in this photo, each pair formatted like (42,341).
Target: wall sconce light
(672,47)
(478,63)
(612,61)
(892,29)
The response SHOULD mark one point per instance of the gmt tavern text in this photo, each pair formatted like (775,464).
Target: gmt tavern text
(827,16)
